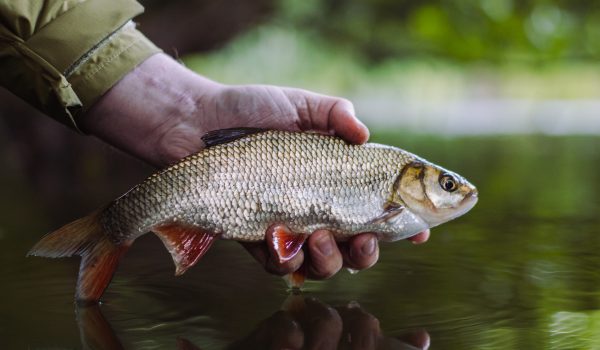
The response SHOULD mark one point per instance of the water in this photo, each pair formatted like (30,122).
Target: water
(521,270)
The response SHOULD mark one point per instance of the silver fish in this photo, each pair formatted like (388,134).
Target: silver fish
(247,182)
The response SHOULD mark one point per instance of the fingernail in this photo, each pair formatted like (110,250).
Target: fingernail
(369,247)
(325,245)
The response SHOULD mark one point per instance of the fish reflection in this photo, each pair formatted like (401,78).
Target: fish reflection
(95,332)
(303,323)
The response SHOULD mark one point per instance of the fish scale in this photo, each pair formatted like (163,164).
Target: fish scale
(286,176)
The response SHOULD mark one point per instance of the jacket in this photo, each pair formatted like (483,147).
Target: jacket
(62,55)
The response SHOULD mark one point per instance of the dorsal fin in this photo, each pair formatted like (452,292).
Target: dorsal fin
(217,137)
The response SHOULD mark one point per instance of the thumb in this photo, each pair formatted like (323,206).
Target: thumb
(327,114)
(343,121)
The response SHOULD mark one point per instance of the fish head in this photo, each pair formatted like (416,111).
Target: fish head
(434,194)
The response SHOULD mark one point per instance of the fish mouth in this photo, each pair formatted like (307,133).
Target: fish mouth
(466,204)
(471,195)
(469,201)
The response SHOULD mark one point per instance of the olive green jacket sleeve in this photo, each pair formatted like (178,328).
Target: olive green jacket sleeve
(62,55)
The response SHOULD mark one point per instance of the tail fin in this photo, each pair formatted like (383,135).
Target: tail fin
(99,256)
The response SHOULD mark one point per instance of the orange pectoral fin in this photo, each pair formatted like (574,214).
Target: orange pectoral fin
(285,243)
(186,243)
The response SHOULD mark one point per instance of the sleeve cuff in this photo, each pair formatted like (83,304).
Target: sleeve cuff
(105,66)
(67,64)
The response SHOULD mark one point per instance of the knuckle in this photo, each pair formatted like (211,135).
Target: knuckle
(326,270)
(277,268)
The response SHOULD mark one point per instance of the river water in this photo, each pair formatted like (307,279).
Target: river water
(520,271)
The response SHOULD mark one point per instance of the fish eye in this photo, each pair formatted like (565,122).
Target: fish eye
(448,183)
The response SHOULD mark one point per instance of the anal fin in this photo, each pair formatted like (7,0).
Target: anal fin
(186,243)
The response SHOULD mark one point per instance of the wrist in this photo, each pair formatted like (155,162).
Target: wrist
(155,112)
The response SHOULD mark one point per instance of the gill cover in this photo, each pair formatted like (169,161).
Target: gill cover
(434,194)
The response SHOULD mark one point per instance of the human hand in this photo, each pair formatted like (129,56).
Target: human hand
(310,324)
(274,107)
(159,111)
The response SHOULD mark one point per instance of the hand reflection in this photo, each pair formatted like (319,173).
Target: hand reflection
(305,323)
(309,324)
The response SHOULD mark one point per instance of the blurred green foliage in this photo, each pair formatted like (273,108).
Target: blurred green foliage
(463,30)
(418,51)
(273,54)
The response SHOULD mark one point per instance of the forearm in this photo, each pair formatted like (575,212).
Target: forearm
(155,112)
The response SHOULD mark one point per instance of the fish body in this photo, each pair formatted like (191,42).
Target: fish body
(237,190)
(241,185)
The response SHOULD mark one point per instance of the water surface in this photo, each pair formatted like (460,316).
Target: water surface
(521,270)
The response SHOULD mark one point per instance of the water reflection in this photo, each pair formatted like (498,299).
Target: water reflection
(301,323)
(94,329)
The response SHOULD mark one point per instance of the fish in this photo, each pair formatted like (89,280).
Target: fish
(247,183)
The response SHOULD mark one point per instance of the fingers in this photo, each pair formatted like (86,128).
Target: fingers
(270,262)
(419,339)
(361,251)
(284,331)
(322,325)
(325,257)
(327,114)
(421,237)
(307,323)
(363,328)
(280,331)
